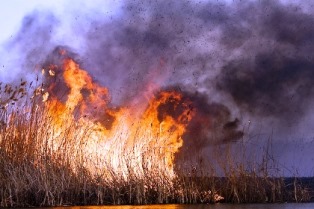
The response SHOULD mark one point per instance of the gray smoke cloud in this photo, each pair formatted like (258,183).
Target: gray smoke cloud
(254,56)
(275,78)
(25,51)
(237,61)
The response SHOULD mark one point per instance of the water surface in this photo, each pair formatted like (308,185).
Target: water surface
(210,206)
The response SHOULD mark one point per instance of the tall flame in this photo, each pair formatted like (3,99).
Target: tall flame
(128,139)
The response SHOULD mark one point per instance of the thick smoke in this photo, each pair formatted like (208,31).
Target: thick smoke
(211,122)
(271,85)
(275,78)
(255,57)
(244,59)
(153,42)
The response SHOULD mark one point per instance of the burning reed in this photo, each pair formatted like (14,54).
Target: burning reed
(47,163)
(64,143)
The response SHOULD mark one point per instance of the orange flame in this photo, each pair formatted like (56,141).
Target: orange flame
(119,137)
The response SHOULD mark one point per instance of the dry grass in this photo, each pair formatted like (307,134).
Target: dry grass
(36,173)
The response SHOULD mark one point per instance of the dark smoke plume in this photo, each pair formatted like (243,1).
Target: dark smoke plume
(211,123)
(251,58)
(273,85)
(151,42)
(276,79)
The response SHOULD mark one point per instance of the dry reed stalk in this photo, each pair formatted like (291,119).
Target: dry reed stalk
(42,168)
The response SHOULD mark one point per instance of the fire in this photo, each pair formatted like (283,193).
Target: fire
(130,140)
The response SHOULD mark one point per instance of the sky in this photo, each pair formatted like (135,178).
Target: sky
(13,12)
(221,49)
(66,14)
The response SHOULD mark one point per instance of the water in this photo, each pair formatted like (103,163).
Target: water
(216,206)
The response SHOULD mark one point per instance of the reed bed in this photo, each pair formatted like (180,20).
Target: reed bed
(36,172)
